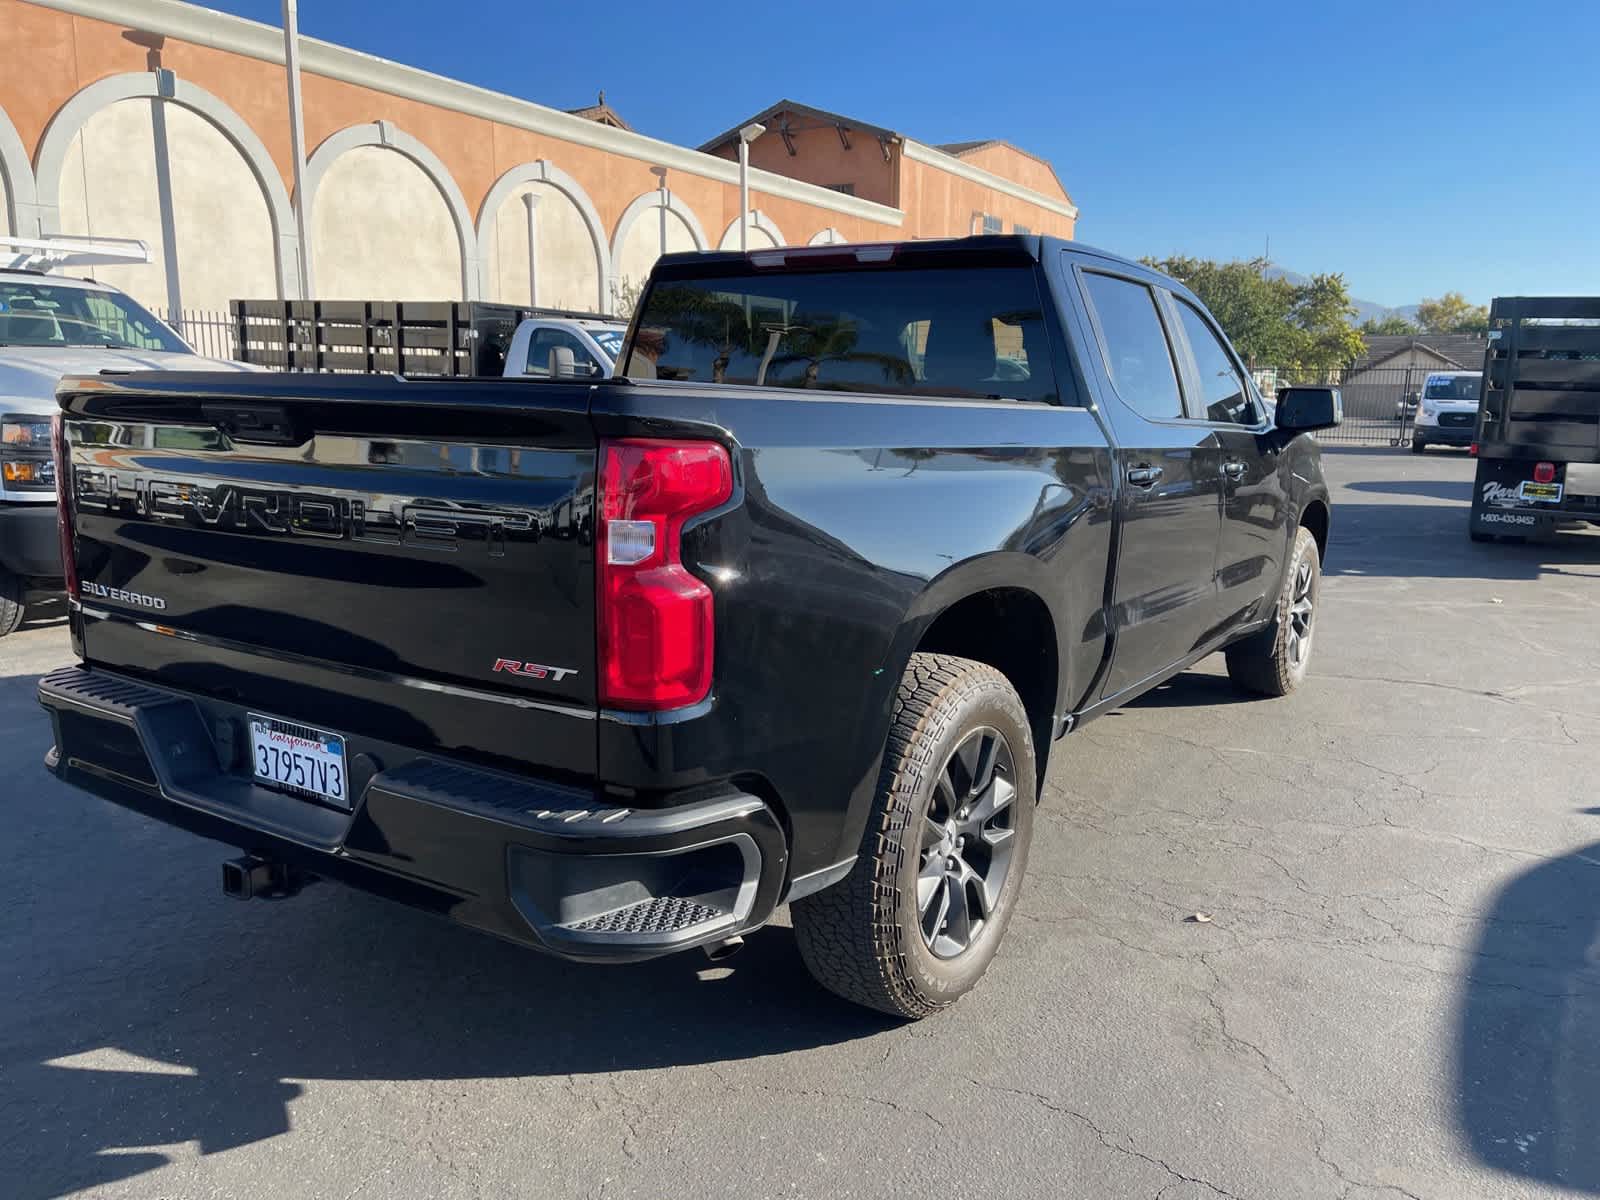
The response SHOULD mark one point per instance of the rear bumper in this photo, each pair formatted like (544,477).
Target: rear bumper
(535,862)
(29,542)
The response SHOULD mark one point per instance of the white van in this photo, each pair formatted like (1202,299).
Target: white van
(1448,412)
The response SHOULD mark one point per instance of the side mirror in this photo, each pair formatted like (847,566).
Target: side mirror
(1305,408)
(562,365)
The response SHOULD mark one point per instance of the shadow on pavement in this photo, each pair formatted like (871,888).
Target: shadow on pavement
(1429,541)
(45,612)
(1194,690)
(1437,489)
(139,1008)
(1528,1053)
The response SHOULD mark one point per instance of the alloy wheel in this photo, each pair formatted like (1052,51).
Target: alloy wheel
(967,842)
(1302,613)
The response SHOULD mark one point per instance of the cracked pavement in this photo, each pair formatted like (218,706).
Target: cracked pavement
(1398,994)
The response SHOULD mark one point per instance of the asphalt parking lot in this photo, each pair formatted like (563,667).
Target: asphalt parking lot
(1398,992)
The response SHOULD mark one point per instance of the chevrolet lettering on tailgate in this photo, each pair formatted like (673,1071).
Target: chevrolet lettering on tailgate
(331,515)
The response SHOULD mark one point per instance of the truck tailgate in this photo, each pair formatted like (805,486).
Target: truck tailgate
(405,560)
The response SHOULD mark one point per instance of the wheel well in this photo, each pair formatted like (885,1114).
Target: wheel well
(1012,631)
(1315,518)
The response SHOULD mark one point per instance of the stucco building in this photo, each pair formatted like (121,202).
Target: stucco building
(169,122)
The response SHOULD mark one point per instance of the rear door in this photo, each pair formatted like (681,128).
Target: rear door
(1221,399)
(1163,595)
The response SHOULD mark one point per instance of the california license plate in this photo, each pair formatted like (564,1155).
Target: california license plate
(300,759)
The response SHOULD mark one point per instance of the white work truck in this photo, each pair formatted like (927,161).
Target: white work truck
(541,345)
(50,326)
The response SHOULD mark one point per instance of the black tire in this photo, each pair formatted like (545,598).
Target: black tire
(1417,444)
(865,938)
(11,605)
(1274,662)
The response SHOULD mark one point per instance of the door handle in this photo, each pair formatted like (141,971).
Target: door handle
(1234,469)
(1144,477)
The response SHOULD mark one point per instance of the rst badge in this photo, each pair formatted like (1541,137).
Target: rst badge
(528,670)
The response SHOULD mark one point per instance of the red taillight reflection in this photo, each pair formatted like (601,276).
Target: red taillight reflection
(654,619)
(64,519)
(1544,472)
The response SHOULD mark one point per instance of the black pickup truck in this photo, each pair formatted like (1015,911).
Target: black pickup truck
(792,611)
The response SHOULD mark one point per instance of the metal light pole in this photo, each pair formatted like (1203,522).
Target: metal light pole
(663,199)
(531,201)
(297,142)
(746,135)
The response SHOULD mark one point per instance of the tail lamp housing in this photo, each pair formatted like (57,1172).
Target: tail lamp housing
(1544,472)
(654,619)
(64,518)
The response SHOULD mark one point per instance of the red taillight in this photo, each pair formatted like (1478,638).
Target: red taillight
(1544,472)
(58,449)
(653,617)
(1473,449)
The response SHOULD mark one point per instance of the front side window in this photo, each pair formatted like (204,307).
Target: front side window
(1137,355)
(43,314)
(961,332)
(1222,391)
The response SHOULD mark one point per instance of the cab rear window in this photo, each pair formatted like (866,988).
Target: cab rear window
(974,333)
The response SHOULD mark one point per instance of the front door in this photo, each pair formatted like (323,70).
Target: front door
(1254,537)
(1169,499)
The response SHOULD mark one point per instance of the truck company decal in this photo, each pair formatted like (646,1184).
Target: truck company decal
(530,670)
(1499,493)
(1508,518)
(238,508)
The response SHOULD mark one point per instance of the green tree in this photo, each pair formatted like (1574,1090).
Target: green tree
(1392,324)
(1252,309)
(1321,318)
(1451,313)
(1272,322)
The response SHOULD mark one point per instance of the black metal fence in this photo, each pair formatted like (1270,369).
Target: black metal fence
(1380,403)
(210,333)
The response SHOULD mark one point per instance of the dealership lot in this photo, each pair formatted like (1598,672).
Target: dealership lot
(1394,993)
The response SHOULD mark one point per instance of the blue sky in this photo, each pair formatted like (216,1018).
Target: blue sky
(1415,147)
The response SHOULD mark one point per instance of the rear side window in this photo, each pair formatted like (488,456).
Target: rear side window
(1222,388)
(931,331)
(1137,355)
(545,340)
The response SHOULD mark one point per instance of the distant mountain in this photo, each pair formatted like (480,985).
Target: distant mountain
(1366,310)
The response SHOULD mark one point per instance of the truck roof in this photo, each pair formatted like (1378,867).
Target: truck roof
(989,249)
(33,275)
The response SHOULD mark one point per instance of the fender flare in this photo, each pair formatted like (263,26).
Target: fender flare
(999,569)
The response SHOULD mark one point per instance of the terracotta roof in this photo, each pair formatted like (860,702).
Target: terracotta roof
(602,113)
(789,107)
